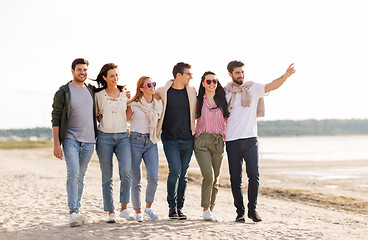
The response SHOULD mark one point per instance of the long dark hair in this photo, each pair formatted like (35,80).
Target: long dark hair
(219,98)
(102,84)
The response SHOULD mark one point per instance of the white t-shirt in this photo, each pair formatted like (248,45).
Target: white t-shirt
(242,122)
(113,112)
(139,122)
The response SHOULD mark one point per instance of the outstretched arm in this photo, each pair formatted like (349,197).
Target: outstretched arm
(275,84)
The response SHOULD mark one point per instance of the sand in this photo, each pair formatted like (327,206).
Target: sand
(34,206)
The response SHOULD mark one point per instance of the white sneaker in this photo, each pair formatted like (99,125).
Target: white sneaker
(207,216)
(111,218)
(125,214)
(215,219)
(150,213)
(77,219)
(139,217)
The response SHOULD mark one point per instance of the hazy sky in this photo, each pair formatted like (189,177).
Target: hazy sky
(325,39)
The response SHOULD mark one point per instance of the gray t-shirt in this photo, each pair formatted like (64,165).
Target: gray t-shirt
(80,123)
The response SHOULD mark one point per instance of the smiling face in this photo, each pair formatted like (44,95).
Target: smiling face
(148,87)
(112,77)
(80,73)
(210,79)
(184,78)
(237,75)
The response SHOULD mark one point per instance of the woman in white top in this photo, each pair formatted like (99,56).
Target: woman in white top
(144,112)
(112,137)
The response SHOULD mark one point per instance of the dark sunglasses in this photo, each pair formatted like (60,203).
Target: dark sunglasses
(150,84)
(208,81)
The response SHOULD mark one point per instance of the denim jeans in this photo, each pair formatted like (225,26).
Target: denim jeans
(142,147)
(108,144)
(178,154)
(77,157)
(237,151)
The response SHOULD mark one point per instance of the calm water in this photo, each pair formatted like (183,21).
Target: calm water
(316,148)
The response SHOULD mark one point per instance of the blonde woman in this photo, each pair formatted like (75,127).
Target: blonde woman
(144,111)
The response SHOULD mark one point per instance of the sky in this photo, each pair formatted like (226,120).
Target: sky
(325,39)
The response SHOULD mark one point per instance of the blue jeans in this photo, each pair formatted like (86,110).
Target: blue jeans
(77,157)
(107,144)
(178,154)
(237,151)
(142,147)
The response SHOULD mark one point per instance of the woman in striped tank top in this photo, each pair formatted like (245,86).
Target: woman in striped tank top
(211,113)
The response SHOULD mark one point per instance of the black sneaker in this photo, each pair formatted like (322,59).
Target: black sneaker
(181,215)
(240,218)
(254,216)
(173,214)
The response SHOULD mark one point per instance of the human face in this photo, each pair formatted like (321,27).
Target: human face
(112,77)
(210,88)
(186,76)
(146,90)
(238,76)
(80,73)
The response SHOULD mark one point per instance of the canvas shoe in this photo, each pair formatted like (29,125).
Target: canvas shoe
(207,216)
(125,214)
(181,215)
(111,218)
(150,213)
(214,217)
(139,217)
(173,213)
(254,216)
(77,219)
(240,218)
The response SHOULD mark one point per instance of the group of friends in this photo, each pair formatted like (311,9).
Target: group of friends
(84,116)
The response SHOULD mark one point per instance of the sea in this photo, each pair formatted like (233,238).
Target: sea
(314,148)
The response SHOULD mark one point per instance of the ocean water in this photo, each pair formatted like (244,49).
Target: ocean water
(314,148)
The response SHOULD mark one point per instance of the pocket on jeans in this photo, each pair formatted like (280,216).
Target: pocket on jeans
(198,142)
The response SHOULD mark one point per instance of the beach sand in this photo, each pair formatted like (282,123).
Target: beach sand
(34,203)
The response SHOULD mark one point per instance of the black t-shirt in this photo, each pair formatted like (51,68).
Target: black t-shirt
(176,124)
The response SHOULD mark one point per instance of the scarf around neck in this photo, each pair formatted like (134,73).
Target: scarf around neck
(246,98)
(153,115)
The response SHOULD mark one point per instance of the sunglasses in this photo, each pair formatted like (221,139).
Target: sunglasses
(208,81)
(150,84)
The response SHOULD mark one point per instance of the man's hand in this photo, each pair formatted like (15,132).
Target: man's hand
(290,71)
(99,117)
(127,93)
(58,152)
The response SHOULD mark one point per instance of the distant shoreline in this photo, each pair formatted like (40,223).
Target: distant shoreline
(266,128)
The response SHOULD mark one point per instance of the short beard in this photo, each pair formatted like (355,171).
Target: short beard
(237,82)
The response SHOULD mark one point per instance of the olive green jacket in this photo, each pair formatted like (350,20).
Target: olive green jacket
(61,109)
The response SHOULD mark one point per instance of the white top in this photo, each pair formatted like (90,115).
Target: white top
(113,112)
(139,122)
(242,122)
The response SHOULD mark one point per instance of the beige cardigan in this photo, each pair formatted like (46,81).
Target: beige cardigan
(161,93)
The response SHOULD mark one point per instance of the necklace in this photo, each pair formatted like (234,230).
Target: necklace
(114,102)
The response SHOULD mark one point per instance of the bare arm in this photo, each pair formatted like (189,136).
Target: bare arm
(58,152)
(129,113)
(275,84)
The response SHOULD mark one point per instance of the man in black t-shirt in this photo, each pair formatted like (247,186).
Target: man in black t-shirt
(177,124)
